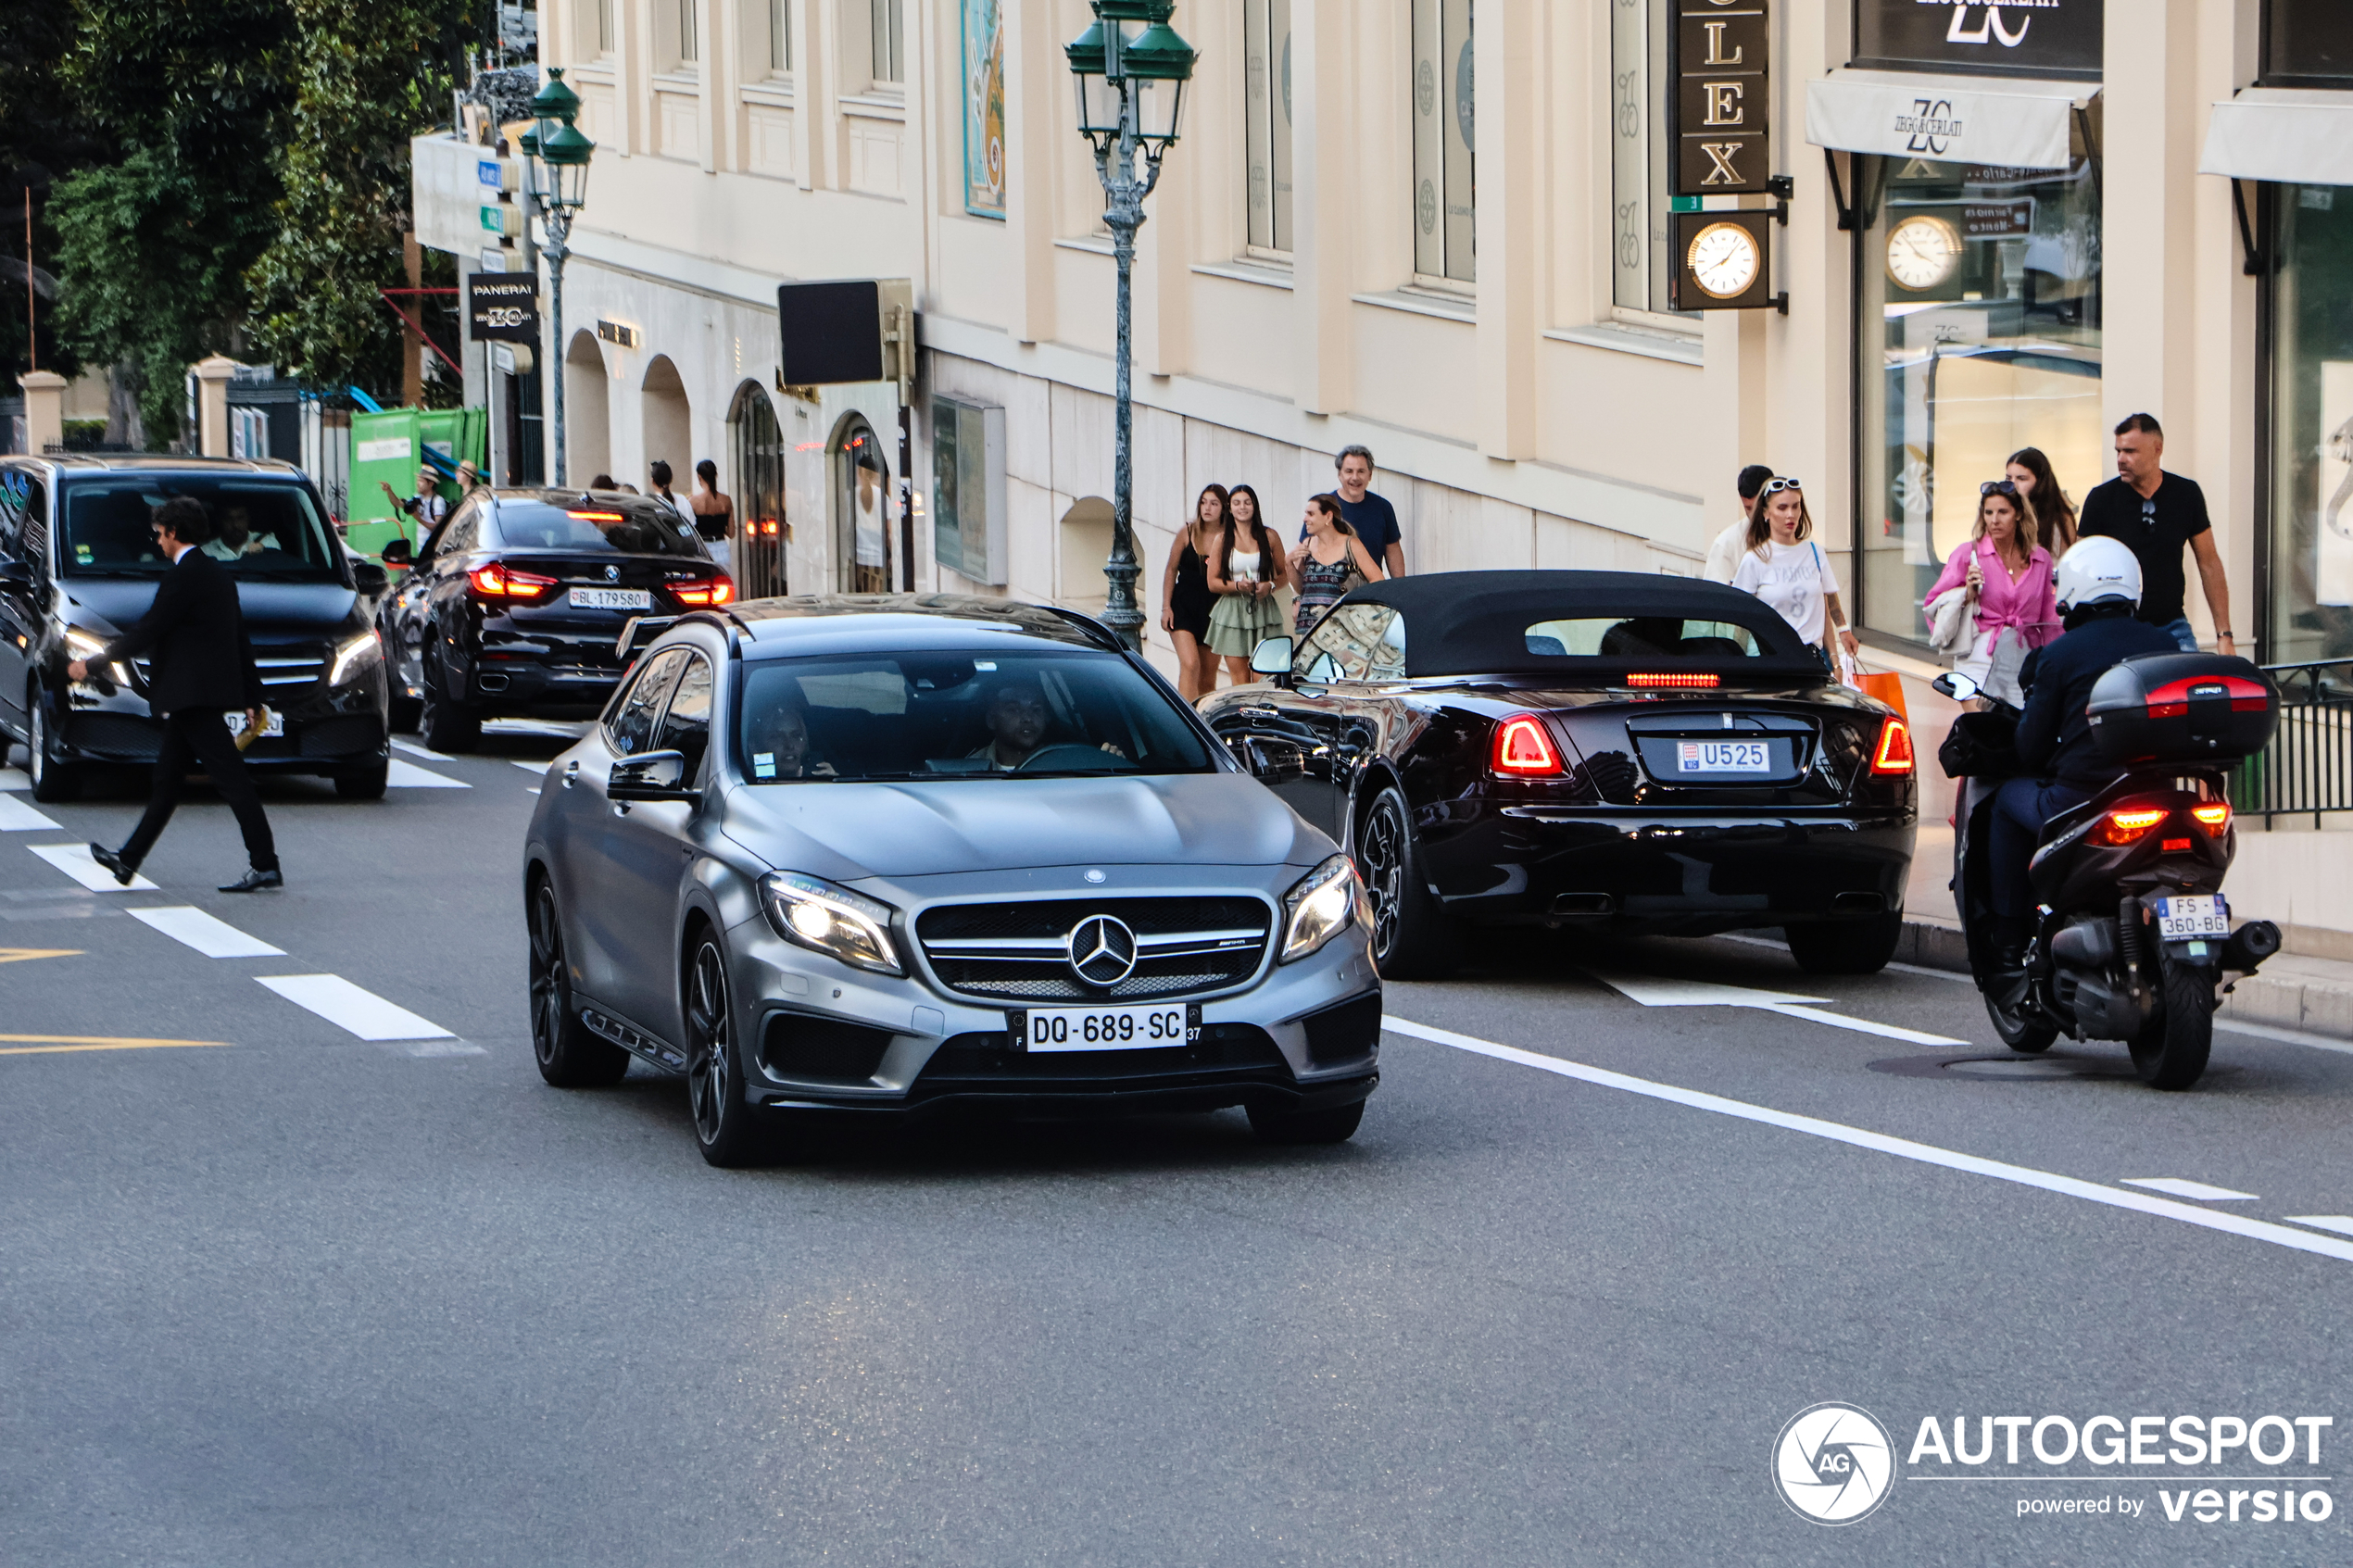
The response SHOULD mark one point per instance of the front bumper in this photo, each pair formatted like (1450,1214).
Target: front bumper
(1688,875)
(820,1034)
(328,731)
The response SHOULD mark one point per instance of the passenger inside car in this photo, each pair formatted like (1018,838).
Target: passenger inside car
(779,747)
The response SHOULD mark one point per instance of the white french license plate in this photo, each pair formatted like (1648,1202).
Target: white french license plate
(272,723)
(1723,757)
(612,598)
(1103,1029)
(2205,915)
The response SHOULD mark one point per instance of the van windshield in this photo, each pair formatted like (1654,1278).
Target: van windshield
(267,528)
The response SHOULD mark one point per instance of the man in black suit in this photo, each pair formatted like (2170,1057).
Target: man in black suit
(202,668)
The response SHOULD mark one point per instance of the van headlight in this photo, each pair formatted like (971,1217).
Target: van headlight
(1320,906)
(355,656)
(830,920)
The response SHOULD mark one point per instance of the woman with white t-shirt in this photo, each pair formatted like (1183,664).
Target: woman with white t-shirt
(1785,568)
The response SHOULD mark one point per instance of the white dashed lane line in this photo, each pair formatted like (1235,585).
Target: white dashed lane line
(1880,1143)
(75,861)
(2343,1223)
(1653,993)
(348,1007)
(2174,1186)
(408,776)
(16,816)
(213,938)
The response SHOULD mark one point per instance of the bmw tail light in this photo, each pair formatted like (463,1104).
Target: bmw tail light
(2214,816)
(2129,824)
(1893,756)
(717,589)
(1523,750)
(500,580)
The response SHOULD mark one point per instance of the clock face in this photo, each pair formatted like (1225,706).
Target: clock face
(1723,259)
(1922,252)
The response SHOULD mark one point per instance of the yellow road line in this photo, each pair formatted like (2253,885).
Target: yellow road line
(42,1044)
(19,955)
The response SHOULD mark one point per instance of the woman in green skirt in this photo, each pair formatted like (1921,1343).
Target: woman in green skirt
(1244,574)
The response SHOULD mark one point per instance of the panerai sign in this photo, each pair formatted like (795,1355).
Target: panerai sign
(1720,53)
(2018,38)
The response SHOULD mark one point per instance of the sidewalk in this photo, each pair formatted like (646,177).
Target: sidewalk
(2305,992)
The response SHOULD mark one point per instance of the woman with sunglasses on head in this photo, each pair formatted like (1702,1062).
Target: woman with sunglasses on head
(1244,571)
(1785,568)
(1185,599)
(2004,577)
(2048,505)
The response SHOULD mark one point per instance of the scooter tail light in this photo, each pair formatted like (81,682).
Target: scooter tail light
(2130,825)
(1523,750)
(2214,816)
(1894,754)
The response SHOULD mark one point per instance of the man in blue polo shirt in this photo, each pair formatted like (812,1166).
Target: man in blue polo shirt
(1371,517)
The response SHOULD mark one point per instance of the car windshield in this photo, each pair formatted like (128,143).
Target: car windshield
(1646,637)
(595,526)
(267,528)
(1034,713)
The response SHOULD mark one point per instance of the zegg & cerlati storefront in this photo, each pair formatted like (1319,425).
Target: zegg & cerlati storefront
(1965,147)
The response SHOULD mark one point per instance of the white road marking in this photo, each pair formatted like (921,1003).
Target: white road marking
(1902,1148)
(408,776)
(14,778)
(531,792)
(75,861)
(1657,992)
(413,749)
(2342,1223)
(527,766)
(1898,968)
(17,817)
(213,938)
(348,1006)
(451,1046)
(2174,1186)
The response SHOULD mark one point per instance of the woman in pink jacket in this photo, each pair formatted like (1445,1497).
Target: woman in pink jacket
(2004,575)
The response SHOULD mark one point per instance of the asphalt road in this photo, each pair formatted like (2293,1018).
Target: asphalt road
(297,1296)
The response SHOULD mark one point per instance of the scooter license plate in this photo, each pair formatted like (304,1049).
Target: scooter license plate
(2205,915)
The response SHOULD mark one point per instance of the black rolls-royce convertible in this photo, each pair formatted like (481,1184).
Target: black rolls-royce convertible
(1585,750)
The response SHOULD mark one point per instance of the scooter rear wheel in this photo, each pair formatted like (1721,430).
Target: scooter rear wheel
(2017,1032)
(2170,1050)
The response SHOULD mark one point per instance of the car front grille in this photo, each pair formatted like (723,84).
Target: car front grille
(1020,952)
(277,667)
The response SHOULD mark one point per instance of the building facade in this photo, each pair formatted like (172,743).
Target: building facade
(1446,229)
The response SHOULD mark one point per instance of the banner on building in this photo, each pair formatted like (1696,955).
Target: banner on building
(2021,38)
(984,35)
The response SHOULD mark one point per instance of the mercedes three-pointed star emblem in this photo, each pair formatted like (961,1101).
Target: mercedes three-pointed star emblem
(1102,950)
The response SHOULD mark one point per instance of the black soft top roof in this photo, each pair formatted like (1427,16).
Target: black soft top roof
(1475,622)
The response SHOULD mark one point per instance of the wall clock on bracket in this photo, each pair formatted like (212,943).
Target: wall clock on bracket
(1723,260)
(1923,251)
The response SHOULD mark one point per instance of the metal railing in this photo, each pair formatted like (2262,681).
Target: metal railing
(2309,765)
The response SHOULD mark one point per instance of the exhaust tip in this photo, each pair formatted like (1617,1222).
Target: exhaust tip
(1584,904)
(1860,904)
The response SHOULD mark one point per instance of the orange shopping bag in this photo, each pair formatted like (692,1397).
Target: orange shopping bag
(1886,685)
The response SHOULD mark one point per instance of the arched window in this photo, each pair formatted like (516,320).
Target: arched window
(758,458)
(864,554)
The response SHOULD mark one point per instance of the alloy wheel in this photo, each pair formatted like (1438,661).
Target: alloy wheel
(1380,862)
(710,1061)
(550,986)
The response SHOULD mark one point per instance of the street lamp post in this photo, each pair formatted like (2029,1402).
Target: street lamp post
(559,158)
(1131,92)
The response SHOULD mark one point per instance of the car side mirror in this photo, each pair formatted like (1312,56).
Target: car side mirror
(369,578)
(1275,762)
(1954,684)
(652,775)
(398,553)
(1271,657)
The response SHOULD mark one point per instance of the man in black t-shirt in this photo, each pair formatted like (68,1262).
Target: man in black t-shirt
(2155,514)
(1370,517)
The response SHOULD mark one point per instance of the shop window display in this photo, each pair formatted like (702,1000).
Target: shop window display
(2311,427)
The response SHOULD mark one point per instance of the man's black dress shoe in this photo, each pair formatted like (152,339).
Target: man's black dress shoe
(255,880)
(124,870)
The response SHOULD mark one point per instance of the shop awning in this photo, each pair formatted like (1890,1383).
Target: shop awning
(2012,121)
(2297,134)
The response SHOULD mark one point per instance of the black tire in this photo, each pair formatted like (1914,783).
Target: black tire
(1414,938)
(1847,946)
(2170,1050)
(1298,1127)
(368,786)
(727,1129)
(446,723)
(2018,1032)
(54,784)
(569,1056)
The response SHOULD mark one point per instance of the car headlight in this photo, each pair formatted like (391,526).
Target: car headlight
(355,656)
(84,645)
(1320,906)
(830,920)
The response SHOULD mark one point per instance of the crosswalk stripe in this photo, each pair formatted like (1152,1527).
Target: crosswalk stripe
(528,767)
(348,1007)
(413,749)
(213,938)
(17,817)
(408,776)
(75,861)
(14,778)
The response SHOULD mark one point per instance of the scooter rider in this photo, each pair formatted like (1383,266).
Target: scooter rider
(2099,588)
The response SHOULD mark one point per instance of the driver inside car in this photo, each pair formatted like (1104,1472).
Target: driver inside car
(1018,719)
(2099,587)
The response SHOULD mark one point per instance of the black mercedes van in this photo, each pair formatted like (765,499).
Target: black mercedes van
(79,565)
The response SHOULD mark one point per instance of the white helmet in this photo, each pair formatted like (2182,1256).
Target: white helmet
(2098,568)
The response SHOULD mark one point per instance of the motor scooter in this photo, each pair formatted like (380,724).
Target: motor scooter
(2131,935)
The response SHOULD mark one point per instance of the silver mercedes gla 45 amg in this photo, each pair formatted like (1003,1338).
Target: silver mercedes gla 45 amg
(900,854)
